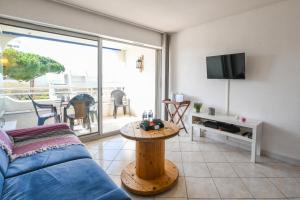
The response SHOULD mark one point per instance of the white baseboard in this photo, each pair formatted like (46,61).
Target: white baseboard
(247,146)
(96,136)
(285,159)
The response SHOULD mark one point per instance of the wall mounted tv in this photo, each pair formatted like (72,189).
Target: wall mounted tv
(229,66)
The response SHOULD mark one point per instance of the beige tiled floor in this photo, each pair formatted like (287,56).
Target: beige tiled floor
(207,170)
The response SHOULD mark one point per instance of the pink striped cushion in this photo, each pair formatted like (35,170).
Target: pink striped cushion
(40,146)
(37,130)
(5,142)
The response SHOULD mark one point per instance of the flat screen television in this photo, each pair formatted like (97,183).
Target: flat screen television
(229,66)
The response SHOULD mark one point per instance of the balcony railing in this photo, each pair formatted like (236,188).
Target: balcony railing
(16,99)
(53,93)
(19,108)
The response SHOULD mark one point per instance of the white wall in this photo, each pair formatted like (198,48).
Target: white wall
(140,86)
(119,70)
(52,13)
(270,36)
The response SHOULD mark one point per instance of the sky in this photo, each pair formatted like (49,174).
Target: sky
(78,60)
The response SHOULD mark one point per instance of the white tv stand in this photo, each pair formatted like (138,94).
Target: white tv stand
(253,126)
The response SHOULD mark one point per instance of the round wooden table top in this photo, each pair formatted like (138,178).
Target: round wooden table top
(133,131)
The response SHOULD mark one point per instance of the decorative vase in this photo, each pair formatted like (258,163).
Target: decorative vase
(197,107)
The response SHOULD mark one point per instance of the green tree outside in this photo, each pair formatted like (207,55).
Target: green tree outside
(26,67)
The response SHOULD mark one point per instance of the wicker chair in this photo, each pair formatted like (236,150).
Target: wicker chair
(81,104)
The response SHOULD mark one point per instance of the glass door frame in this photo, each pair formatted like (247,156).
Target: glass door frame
(99,39)
(158,80)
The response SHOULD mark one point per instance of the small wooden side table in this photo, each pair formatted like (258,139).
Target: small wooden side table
(150,174)
(177,106)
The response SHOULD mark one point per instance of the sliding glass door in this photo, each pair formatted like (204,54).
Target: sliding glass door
(128,83)
(48,78)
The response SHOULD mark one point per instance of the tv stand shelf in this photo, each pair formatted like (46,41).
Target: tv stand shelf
(253,126)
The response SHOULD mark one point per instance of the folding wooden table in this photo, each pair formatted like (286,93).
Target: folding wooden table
(177,105)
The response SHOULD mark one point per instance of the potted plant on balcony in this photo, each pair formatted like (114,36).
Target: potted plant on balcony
(197,106)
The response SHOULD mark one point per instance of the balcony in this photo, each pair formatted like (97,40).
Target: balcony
(19,111)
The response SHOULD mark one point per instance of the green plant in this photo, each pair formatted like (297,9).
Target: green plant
(23,66)
(197,106)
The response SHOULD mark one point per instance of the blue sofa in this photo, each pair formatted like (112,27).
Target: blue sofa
(67,173)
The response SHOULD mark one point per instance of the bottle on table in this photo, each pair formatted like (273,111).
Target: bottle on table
(145,115)
(150,115)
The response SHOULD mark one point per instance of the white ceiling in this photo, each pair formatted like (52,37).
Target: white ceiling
(169,15)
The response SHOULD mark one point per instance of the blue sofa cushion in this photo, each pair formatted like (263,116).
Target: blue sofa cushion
(45,159)
(78,179)
(1,184)
(4,161)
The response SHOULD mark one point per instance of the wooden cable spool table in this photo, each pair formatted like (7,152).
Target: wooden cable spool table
(150,174)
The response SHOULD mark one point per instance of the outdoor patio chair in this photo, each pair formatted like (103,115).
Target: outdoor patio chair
(94,113)
(118,96)
(81,104)
(43,117)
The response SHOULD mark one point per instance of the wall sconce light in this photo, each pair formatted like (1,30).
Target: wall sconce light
(140,63)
